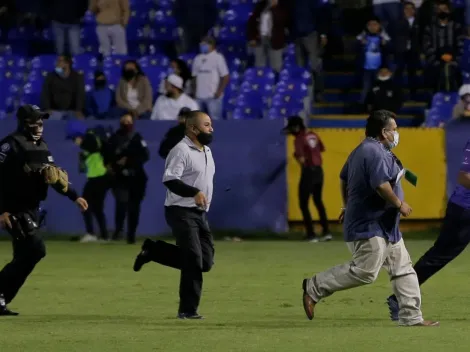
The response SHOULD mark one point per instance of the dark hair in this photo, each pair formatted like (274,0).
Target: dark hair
(67,58)
(139,69)
(377,121)
(406,3)
(184,112)
(444,3)
(185,71)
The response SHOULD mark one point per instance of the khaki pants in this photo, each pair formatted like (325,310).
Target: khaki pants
(368,257)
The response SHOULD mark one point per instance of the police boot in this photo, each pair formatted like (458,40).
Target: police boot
(3,307)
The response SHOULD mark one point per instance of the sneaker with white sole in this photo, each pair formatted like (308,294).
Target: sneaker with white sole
(326,238)
(88,238)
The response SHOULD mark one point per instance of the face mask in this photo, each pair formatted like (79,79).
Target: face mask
(383,78)
(127,127)
(443,15)
(128,75)
(100,83)
(59,71)
(204,138)
(204,48)
(396,139)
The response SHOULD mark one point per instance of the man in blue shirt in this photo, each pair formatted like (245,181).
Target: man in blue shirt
(373,201)
(453,237)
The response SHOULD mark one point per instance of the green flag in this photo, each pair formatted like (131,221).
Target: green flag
(411,177)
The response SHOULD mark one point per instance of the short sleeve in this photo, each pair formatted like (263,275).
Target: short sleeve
(175,164)
(465,165)
(343,175)
(222,66)
(378,169)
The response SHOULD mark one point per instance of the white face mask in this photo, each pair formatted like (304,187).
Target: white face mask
(396,139)
(384,78)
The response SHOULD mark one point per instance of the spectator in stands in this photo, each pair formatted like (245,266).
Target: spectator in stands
(195,18)
(443,47)
(134,93)
(373,53)
(112,17)
(386,94)
(66,16)
(178,67)
(8,14)
(389,13)
(63,91)
(101,100)
(462,108)
(211,76)
(309,31)
(408,48)
(168,106)
(266,31)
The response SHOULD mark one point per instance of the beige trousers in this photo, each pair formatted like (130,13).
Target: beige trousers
(369,256)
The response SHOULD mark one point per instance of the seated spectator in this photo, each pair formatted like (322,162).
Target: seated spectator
(100,101)
(462,108)
(386,94)
(63,91)
(211,76)
(443,47)
(178,67)
(134,93)
(266,29)
(112,17)
(407,46)
(168,106)
(373,43)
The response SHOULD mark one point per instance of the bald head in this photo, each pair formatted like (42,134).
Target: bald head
(198,123)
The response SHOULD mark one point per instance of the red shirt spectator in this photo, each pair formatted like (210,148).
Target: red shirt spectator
(308,148)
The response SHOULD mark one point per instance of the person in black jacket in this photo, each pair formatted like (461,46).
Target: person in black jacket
(385,93)
(174,134)
(126,154)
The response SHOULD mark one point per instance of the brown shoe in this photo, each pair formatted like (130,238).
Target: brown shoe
(427,323)
(309,303)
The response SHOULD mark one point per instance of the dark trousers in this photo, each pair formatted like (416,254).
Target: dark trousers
(193,253)
(28,250)
(410,61)
(311,184)
(95,193)
(452,240)
(129,195)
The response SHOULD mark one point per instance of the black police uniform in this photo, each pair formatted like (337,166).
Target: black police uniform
(172,138)
(129,181)
(22,188)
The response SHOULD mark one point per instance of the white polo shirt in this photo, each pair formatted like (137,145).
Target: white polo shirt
(167,108)
(208,69)
(194,167)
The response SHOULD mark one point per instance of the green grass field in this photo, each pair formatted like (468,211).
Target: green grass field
(85,297)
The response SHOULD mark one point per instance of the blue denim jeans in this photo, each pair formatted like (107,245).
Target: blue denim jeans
(61,30)
(213,107)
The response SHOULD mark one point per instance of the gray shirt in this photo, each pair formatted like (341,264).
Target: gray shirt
(367,214)
(194,167)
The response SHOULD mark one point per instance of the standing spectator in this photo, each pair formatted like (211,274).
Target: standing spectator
(443,45)
(66,16)
(309,30)
(373,53)
(462,108)
(112,17)
(407,47)
(168,106)
(266,31)
(178,67)
(211,77)
(195,18)
(100,101)
(134,93)
(63,91)
(386,94)
(389,13)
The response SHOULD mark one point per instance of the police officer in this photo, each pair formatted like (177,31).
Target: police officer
(174,134)
(308,149)
(125,157)
(26,170)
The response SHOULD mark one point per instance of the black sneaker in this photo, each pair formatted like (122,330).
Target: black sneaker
(4,311)
(193,316)
(143,257)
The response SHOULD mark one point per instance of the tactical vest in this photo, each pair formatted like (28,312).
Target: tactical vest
(35,156)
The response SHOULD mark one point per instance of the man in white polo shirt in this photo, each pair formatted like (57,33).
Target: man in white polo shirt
(211,76)
(188,177)
(168,106)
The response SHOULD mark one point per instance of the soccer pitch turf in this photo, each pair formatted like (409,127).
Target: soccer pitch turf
(85,297)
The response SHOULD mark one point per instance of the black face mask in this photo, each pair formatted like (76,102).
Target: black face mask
(204,138)
(100,83)
(443,15)
(129,74)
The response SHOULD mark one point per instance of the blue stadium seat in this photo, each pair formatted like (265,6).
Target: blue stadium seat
(280,100)
(85,62)
(165,4)
(281,112)
(236,16)
(246,113)
(230,98)
(157,60)
(89,19)
(433,119)
(234,64)
(440,99)
(155,74)
(44,62)
(115,61)
(296,73)
(259,74)
(12,61)
(163,32)
(113,75)
(188,58)
(89,39)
